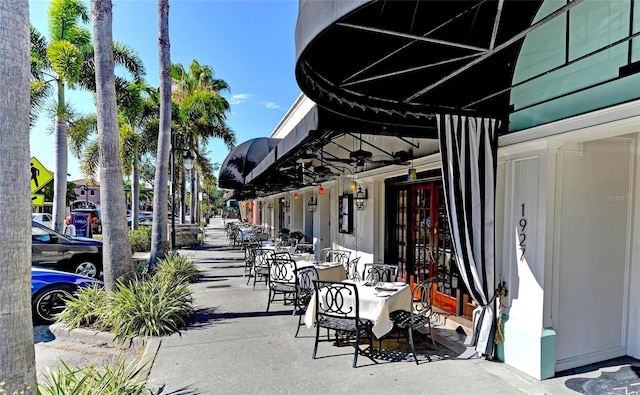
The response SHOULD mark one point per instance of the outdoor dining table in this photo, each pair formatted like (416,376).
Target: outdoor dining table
(327,271)
(376,302)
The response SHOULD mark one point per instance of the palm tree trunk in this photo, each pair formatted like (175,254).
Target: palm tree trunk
(159,232)
(17,356)
(60,172)
(135,192)
(116,251)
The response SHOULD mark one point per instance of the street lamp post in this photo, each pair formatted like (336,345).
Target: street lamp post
(188,164)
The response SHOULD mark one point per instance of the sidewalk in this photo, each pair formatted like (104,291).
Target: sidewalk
(234,346)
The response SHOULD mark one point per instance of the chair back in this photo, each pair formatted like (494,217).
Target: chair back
(338,256)
(250,254)
(305,248)
(351,272)
(263,256)
(305,287)
(282,270)
(380,272)
(336,300)
(422,303)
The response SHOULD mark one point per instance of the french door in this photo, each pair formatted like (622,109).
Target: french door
(418,239)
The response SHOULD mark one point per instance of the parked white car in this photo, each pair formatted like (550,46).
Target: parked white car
(45,219)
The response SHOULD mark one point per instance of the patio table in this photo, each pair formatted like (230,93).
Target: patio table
(327,271)
(375,304)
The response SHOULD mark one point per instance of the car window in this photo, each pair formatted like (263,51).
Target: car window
(46,217)
(39,235)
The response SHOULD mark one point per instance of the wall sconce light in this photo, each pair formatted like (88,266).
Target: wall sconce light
(286,205)
(260,205)
(270,206)
(353,186)
(321,191)
(312,205)
(360,199)
(296,196)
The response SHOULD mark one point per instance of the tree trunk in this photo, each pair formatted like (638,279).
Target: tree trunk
(159,232)
(60,172)
(135,192)
(116,251)
(17,356)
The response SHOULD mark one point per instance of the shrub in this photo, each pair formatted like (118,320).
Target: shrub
(121,379)
(155,307)
(140,239)
(175,267)
(84,308)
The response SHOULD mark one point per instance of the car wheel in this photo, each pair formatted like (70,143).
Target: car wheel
(86,268)
(49,302)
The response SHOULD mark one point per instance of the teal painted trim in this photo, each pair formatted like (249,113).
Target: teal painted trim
(548,353)
(500,346)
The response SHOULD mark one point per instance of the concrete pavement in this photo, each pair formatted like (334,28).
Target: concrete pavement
(234,346)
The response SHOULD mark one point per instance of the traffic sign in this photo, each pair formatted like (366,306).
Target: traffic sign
(39,175)
(37,200)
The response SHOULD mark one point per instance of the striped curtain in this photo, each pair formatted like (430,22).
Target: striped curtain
(468,149)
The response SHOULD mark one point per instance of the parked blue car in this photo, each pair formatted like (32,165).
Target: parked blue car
(50,288)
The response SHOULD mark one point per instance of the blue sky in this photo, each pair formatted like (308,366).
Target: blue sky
(249,44)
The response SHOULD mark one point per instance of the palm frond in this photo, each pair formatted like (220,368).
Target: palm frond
(80,130)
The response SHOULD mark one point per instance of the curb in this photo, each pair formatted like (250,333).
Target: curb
(149,346)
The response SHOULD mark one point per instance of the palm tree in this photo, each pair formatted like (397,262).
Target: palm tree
(116,253)
(202,112)
(160,200)
(17,356)
(66,60)
(137,107)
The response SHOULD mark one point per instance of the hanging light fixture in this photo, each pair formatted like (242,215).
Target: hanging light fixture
(296,196)
(360,198)
(270,206)
(321,191)
(353,186)
(260,205)
(312,204)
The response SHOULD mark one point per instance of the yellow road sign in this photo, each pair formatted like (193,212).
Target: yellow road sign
(39,175)
(37,200)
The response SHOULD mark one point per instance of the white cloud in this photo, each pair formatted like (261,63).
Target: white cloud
(240,98)
(269,104)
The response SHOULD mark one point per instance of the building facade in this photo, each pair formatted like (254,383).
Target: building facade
(559,77)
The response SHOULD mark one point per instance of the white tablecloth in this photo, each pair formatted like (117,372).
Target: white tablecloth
(373,307)
(326,271)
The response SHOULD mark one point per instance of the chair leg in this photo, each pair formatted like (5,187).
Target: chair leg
(299,323)
(357,347)
(413,350)
(269,301)
(315,346)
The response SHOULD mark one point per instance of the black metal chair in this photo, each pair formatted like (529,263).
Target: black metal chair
(380,272)
(249,259)
(418,316)
(262,260)
(351,272)
(304,292)
(282,279)
(337,308)
(337,256)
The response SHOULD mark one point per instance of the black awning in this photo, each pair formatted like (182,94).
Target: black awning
(242,159)
(403,61)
